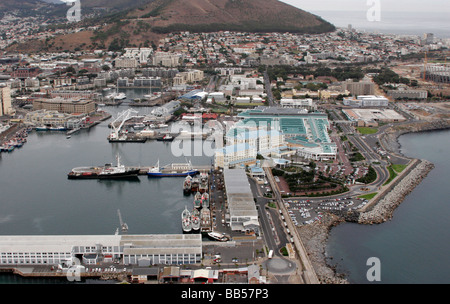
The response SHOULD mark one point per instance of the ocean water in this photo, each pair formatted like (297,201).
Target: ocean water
(37,198)
(413,247)
(401,23)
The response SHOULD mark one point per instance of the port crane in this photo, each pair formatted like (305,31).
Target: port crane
(123,226)
(122,116)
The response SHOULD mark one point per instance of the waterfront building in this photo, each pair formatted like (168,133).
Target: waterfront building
(5,101)
(367,116)
(65,105)
(233,155)
(304,133)
(90,249)
(54,118)
(242,213)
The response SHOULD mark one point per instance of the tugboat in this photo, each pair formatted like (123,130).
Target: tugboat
(186,222)
(104,172)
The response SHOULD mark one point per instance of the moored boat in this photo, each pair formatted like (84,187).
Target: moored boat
(172,170)
(198,200)
(186,222)
(195,219)
(104,172)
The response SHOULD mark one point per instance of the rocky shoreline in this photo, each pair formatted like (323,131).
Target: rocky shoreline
(315,236)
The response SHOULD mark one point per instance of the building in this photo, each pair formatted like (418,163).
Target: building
(65,105)
(303,133)
(90,249)
(368,116)
(242,213)
(364,87)
(306,104)
(5,101)
(234,155)
(366,101)
(124,62)
(190,76)
(54,118)
(408,94)
(166,59)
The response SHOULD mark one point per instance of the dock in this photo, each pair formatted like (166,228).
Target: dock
(144,169)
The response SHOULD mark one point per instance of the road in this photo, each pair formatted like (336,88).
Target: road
(309,274)
(268,88)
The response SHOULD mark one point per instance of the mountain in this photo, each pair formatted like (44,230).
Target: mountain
(234,15)
(122,23)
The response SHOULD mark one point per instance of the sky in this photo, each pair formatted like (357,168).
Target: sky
(362,5)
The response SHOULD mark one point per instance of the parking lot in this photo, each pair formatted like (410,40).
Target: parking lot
(304,212)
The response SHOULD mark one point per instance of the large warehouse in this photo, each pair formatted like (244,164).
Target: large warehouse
(91,249)
(243,215)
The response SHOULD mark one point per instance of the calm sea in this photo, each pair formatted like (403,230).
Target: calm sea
(37,197)
(401,23)
(413,247)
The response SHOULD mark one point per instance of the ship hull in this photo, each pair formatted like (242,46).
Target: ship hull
(162,174)
(132,174)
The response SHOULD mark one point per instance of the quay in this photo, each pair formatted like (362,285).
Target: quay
(144,169)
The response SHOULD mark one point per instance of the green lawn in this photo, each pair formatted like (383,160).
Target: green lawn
(366,130)
(399,168)
(392,175)
(368,196)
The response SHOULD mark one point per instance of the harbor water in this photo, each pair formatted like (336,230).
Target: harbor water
(37,198)
(413,247)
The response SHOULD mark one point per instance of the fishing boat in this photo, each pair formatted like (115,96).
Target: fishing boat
(205,220)
(187,185)
(198,200)
(186,222)
(205,200)
(195,219)
(203,186)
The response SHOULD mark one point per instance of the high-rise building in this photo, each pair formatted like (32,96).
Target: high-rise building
(5,101)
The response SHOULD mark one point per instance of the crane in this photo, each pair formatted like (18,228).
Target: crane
(123,226)
(124,116)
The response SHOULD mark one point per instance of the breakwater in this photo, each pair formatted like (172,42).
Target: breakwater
(380,209)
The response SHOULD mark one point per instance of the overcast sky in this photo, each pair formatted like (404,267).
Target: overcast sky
(361,5)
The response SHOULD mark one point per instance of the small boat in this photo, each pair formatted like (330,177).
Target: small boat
(41,128)
(217,236)
(165,138)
